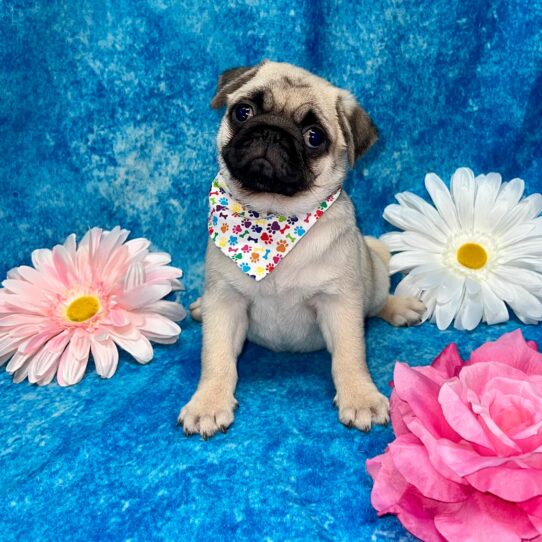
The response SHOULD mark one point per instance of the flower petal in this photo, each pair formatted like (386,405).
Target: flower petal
(448,362)
(470,312)
(408,199)
(430,275)
(135,276)
(42,260)
(420,393)
(48,357)
(530,280)
(74,360)
(144,295)
(176,285)
(442,199)
(510,349)
(411,460)
(508,481)
(495,310)
(119,317)
(445,312)
(157,326)
(110,241)
(486,194)
(464,194)
(105,355)
(157,258)
(410,219)
(407,260)
(45,281)
(137,247)
(63,265)
(460,416)
(17,361)
(483,517)
(170,309)
(9,344)
(140,348)
(164,272)
(391,495)
(508,198)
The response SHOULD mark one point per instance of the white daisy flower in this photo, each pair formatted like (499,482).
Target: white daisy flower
(476,251)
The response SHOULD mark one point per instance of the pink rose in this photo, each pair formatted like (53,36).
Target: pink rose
(467,461)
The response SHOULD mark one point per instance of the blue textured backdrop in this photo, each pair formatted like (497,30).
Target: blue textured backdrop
(104,120)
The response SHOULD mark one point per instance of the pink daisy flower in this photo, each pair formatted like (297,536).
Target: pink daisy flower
(91,298)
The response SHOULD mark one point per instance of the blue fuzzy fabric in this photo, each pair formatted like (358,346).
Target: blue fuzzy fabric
(105,120)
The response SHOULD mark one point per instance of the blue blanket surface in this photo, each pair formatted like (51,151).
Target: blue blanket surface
(105,120)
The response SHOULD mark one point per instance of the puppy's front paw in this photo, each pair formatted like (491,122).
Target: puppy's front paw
(403,311)
(207,413)
(362,407)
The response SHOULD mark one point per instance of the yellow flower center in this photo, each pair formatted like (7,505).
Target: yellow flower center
(472,255)
(83,308)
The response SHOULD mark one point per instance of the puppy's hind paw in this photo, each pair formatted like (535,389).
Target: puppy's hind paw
(195,310)
(403,311)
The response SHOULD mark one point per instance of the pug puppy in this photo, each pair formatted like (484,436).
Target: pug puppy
(285,143)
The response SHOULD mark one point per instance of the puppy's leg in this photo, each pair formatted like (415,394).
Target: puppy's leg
(397,311)
(359,402)
(225,323)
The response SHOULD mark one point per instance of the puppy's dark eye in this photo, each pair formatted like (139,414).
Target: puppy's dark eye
(314,137)
(242,112)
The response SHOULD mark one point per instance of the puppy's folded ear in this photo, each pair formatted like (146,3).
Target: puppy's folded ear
(229,81)
(358,129)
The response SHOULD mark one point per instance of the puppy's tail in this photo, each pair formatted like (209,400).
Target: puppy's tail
(379,248)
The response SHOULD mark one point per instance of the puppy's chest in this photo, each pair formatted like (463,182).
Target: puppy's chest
(281,307)
(284,318)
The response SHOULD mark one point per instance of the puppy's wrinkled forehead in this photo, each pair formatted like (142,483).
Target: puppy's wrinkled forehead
(289,92)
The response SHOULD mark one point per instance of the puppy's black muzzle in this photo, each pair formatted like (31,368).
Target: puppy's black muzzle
(267,155)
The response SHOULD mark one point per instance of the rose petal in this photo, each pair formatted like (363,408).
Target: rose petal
(484,517)
(448,362)
(479,379)
(421,394)
(412,461)
(396,408)
(460,416)
(448,457)
(508,481)
(533,507)
(510,349)
(391,495)
(462,458)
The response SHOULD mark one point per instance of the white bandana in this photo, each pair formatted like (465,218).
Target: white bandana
(256,243)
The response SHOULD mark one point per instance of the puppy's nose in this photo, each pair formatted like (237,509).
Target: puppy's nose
(261,168)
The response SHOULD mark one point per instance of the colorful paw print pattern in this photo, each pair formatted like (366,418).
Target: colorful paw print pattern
(255,242)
